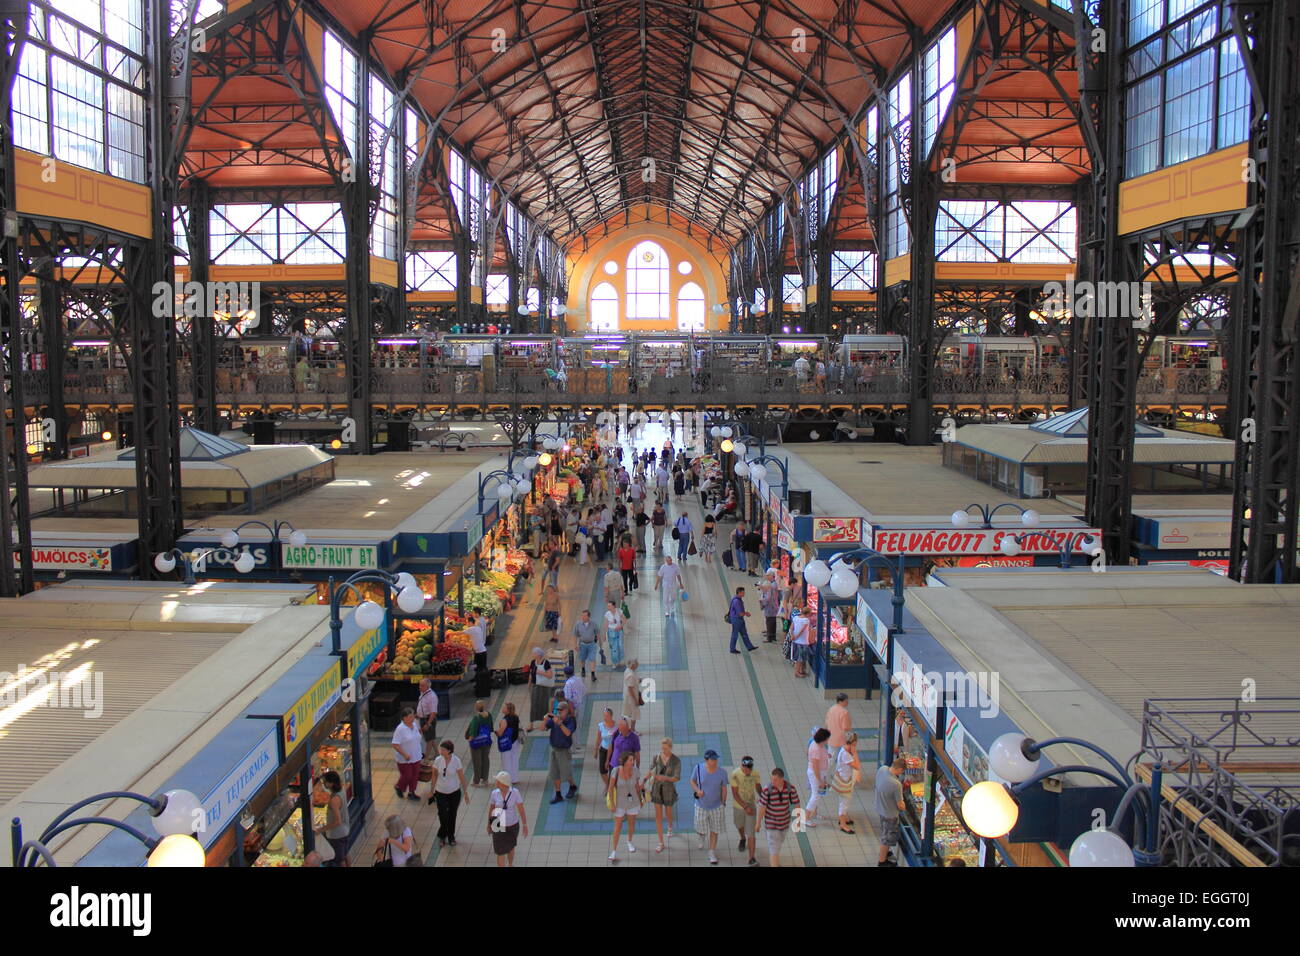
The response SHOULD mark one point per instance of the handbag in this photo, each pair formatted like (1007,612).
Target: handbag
(482,737)
(382,856)
(609,797)
(506,741)
(627,613)
(416,858)
(325,849)
(676,535)
(839,784)
(426,770)
(692,549)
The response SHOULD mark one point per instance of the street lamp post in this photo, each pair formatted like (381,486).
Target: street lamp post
(176,815)
(962,518)
(990,809)
(844,581)
(230,538)
(1010,545)
(370,615)
(165,561)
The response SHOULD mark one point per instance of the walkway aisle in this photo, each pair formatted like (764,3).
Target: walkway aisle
(701,696)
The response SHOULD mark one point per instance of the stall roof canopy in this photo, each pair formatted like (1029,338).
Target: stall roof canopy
(199,446)
(1031,445)
(1075,425)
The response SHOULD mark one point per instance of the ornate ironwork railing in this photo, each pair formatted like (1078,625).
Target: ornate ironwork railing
(1231,779)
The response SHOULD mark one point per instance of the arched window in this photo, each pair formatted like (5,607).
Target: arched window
(690,308)
(647,282)
(604,308)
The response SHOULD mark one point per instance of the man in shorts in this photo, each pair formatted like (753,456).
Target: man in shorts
(585,631)
(889,802)
(561,727)
(745,785)
(777,805)
(709,783)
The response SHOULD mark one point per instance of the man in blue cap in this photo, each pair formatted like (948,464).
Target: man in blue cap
(709,782)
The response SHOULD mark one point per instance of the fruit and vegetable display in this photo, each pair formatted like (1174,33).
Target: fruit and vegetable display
(414,649)
(482,599)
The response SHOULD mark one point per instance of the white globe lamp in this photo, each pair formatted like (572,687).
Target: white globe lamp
(245,562)
(1007,758)
(178,849)
(409,599)
(164,563)
(370,615)
(181,814)
(816,573)
(1009,546)
(742,470)
(404,580)
(1029,517)
(1100,848)
(230,539)
(758,471)
(844,582)
(739,449)
(989,810)
(961,519)
(297,538)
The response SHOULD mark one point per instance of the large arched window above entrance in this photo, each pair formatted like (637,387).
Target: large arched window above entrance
(690,308)
(604,308)
(647,282)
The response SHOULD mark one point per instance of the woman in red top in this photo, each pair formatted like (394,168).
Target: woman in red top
(627,563)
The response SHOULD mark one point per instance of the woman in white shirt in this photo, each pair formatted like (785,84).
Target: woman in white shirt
(399,844)
(505,818)
(801,639)
(848,768)
(614,633)
(449,787)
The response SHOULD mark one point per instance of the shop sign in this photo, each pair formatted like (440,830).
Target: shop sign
(226,559)
(324,556)
(972,760)
(473,531)
(785,540)
(934,541)
(364,650)
(299,719)
(837,530)
(872,628)
(1187,534)
(70,559)
(915,687)
(224,802)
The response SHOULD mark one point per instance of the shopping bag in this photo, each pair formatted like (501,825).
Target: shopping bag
(685,597)
(627,612)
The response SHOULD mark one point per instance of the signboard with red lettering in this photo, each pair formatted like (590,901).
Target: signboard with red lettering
(956,541)
(72,559)
(837,530)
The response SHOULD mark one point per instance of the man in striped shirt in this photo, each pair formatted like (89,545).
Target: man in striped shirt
(775,806)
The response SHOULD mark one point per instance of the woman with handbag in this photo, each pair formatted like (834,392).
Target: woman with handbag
(505,817)
(449,787)
(665,771)
(398,845)
(479,735)
(509,744)
(335,830)
(623,798)
(847,772)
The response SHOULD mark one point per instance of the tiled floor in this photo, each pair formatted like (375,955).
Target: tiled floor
(705,697)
